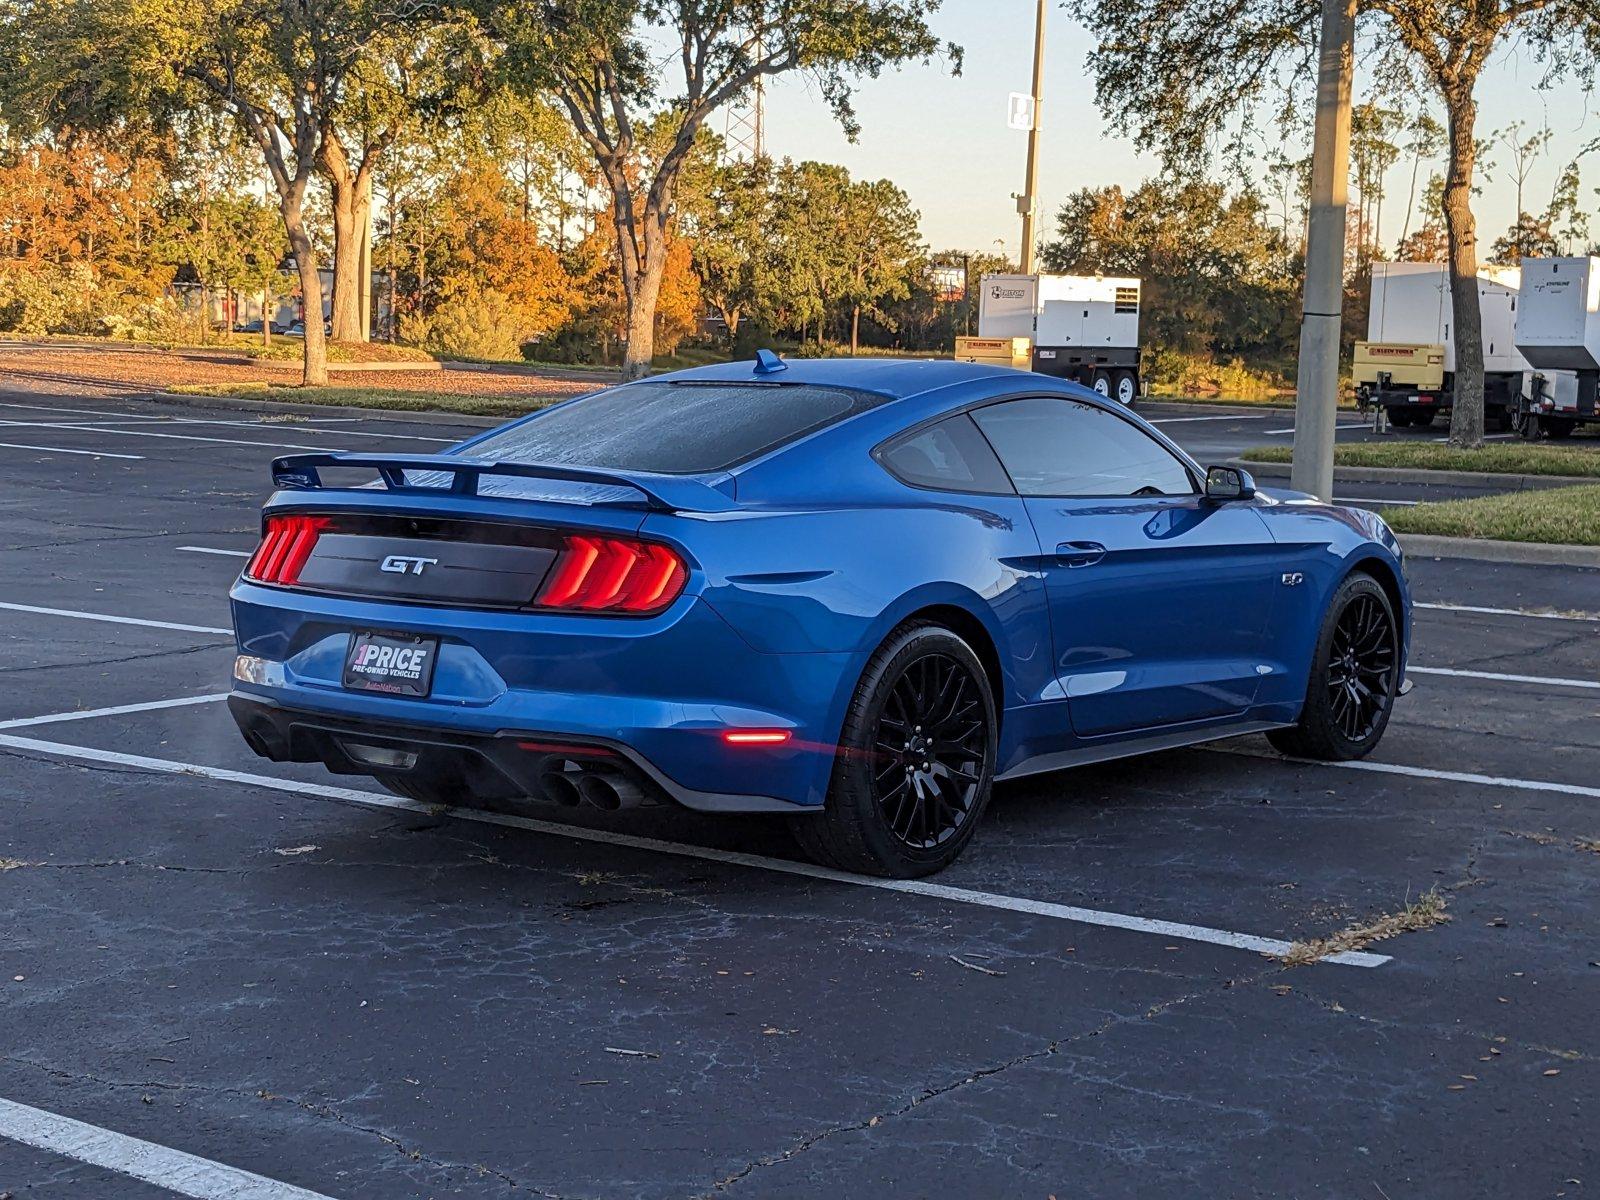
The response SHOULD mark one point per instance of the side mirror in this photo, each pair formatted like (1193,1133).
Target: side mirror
(1229,483)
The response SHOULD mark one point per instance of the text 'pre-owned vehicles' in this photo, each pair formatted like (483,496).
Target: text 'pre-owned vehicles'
(853,592)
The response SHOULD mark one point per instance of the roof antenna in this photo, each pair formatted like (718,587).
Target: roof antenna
(768,363)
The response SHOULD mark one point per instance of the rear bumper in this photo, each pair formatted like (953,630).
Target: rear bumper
(504,766)
(659,691)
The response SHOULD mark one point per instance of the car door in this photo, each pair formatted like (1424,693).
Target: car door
(1158,597)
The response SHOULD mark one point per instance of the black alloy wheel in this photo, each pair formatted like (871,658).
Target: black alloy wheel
(931,744)
(1361,667)
(915,763)
(1354,678)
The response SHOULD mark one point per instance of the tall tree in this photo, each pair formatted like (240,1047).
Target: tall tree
(728,227)
(416,68)
(881,246)
(1214,268)
(1232,59)
(597,59)
(1425,138)
(278,70)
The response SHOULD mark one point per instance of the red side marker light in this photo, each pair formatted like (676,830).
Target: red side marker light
(755,737)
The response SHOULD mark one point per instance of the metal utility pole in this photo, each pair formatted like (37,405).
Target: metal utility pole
(1317,386)
(1028,202)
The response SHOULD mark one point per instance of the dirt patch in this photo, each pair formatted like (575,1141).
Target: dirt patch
(94,372)
(1423,913)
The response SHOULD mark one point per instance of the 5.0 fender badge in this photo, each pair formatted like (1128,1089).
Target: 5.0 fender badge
(1289,578)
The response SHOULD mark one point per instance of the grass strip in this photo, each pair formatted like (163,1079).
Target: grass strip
(1567,516)
(1499,458)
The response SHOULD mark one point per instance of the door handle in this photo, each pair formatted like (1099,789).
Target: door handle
(1079,554)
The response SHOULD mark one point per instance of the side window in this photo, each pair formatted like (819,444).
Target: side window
(951,456)
(1064,448)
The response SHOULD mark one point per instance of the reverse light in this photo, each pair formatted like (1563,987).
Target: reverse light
(249,668)
(284,549)
(755,737)
(612,575)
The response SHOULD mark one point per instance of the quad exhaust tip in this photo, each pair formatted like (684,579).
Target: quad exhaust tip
(609,793)
(604,790)
(560,787)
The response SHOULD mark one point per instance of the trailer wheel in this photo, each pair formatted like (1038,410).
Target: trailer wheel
(1402,418)
(1127,387)
(1102,383)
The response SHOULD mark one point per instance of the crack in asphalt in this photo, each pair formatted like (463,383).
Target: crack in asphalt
(328,1112)
(321,1110)
(112,662)
(126,536)
(930,1093)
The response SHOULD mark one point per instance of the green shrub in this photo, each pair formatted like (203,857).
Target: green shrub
(476,322)
(1169,372)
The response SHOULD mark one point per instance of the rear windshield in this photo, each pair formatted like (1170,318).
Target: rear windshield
(674,428)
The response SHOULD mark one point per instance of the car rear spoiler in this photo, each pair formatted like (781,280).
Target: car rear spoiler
(662,493)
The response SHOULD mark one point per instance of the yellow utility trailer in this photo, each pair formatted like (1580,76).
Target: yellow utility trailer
(996,351)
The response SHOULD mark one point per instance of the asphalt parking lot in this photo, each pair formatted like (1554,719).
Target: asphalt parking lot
(243,975)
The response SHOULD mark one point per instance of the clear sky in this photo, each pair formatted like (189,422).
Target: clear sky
(944,139)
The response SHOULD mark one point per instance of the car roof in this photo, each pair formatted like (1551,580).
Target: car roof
(898,378)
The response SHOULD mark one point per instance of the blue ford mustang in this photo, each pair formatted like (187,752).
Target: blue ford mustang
(853,592)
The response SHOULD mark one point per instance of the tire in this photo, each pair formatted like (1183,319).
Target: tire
(1559,428)
(1101,382)
(423,791)
(884,815)
(1125,386)
(1401,418)
(1426,420)
(1337,722)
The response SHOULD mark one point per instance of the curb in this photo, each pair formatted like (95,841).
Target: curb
(238,403)
(1424,545)
(1508,483)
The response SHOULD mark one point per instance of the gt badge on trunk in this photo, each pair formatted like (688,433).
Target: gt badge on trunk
(398,663)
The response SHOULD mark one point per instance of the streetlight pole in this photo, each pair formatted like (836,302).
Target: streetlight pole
(1317,386)
(1028,202)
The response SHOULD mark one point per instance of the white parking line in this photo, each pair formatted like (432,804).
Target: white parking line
(365,433)
(107,617)
(1336,428)
(64,450)
(214,550)
(1541,680)
(914,887)
(95,412)
(1225,417)
(1497,781)
(1509,612)
(175,1170)
(264,426)
(117,710)
(147,432)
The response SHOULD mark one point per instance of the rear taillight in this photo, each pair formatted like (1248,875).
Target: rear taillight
(612,575)
(284,549)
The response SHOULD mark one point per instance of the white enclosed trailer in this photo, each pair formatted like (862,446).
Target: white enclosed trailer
(1558,332)
(1084,327)
(1408,362)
